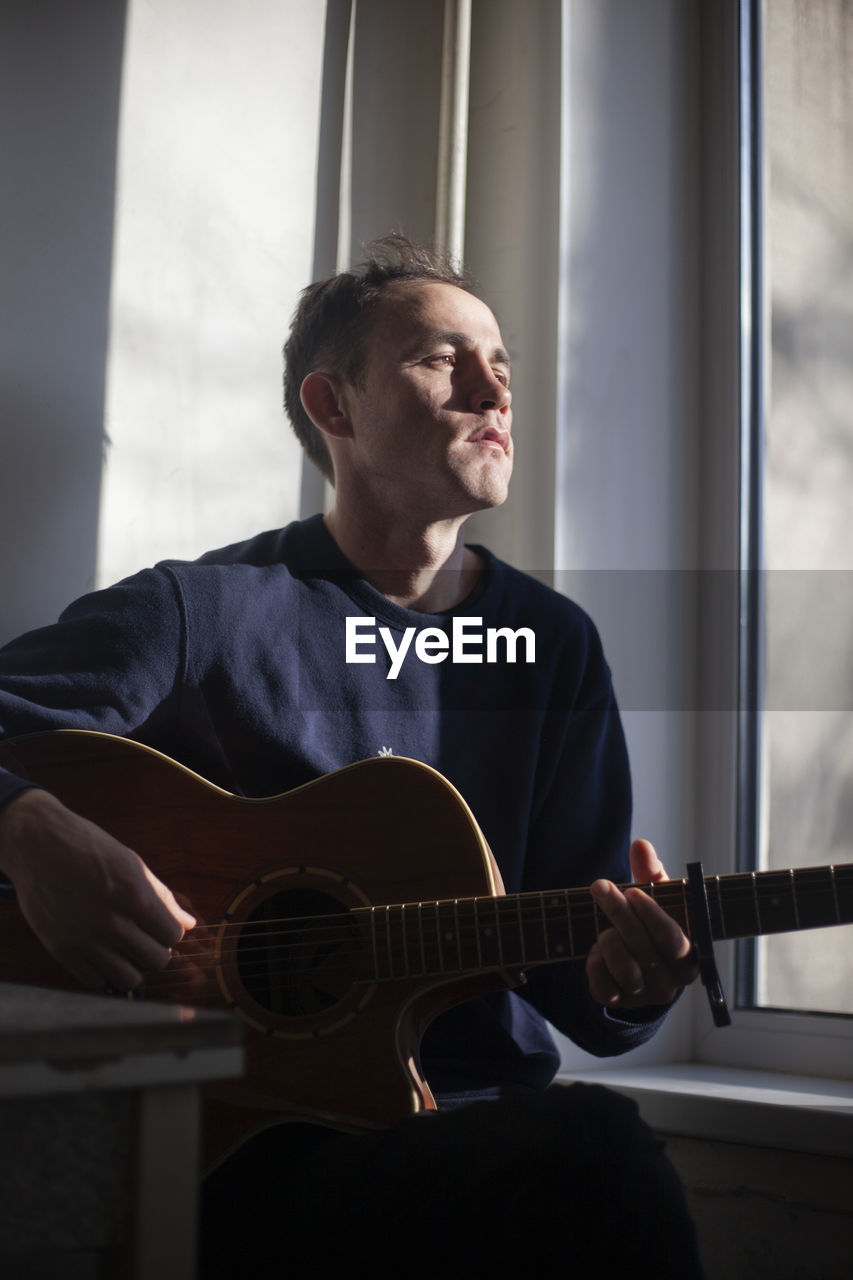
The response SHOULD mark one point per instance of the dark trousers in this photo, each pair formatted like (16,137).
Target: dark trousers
(570,1179)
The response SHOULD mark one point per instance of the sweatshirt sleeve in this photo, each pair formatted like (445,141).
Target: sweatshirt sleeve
(113,662)
(581,831)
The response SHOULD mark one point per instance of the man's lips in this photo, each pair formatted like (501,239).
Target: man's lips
(491,437)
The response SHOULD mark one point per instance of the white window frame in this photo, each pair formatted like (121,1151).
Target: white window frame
(729,812)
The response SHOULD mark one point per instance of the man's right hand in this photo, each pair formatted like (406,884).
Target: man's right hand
(93,902)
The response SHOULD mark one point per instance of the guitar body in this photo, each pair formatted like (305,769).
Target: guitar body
(323,1040)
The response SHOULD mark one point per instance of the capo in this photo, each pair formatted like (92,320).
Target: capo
(699,917)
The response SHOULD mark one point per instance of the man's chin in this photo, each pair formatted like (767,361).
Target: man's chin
(490,488)
(488,499)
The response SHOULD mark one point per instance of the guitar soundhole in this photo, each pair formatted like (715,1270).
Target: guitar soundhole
(295,954)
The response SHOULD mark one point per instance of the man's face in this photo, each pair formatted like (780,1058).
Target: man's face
(431,419)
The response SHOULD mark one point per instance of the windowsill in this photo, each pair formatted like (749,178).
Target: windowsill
(727,1104)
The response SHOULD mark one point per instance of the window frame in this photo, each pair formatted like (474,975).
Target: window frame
(729,788)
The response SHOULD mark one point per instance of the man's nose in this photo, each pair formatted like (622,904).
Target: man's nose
(491,392)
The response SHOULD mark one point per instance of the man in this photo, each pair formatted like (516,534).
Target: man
(260,666)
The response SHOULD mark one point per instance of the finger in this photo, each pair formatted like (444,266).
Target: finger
(184,918)
(614,981)
(83,970)
(602,986)
(133,946)
(646,866)
(169,921)
(646,955)
(626,975)
(120,977)
(664,933)
(101,968)
(629,926)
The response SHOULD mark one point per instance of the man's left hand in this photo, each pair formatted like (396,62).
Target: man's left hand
(644,958)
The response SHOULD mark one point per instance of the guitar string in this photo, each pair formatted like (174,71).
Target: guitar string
(306,933)
(389,915)
(507,903)
(441,953)
(577,902)
(674,888)
(439,950)
(339,930)
(200,974)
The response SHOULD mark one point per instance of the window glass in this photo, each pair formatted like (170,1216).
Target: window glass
(806,790)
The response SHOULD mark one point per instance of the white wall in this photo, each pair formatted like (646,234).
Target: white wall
(60,85)
(213,238)
(158,196)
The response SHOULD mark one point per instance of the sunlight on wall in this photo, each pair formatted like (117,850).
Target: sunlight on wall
(214,225)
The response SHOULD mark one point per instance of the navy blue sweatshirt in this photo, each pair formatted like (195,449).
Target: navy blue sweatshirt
(237,665)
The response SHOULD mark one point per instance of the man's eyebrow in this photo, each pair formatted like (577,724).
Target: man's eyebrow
(453,338)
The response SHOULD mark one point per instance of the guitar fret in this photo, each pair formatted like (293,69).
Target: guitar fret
(388,942)
(510,931)
(448,963)
(569,924)
(559,925)
(404,939)
(794,902)
(439,958)
(448,937)
(519,913)
(755,900)
(462,910)
(430,953)
(553,931)
(843,880)
(498,933)
(739,912)
(451,935)
(398,927)
(477,933)
(817,901)
(779,911)
(420,911)
(374,941)
(533,920)
(723,931)
(470,957)
(835,895)
(489,934)
(582,920)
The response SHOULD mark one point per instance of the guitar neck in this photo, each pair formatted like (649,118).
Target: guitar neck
(465,935)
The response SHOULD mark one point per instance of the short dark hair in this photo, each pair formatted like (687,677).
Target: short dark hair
(332,321)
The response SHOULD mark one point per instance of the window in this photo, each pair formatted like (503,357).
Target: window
(793,733)
(804,618)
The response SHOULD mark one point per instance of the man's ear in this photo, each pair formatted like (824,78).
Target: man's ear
(324,403)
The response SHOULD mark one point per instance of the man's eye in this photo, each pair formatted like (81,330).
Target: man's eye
(445,360)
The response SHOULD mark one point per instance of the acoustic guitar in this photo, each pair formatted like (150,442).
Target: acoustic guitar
(326,921)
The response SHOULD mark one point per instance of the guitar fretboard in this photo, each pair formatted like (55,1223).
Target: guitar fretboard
(464,935)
